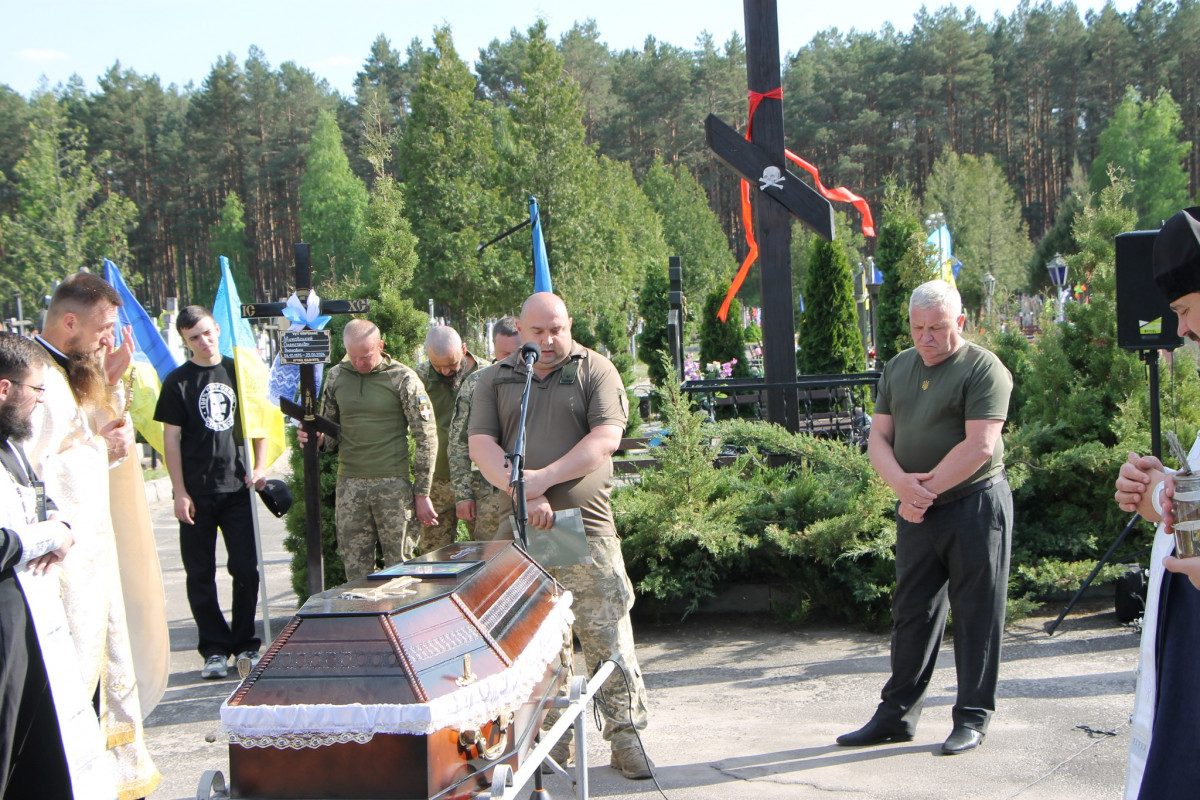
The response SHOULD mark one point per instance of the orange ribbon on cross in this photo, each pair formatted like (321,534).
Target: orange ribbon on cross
(839,194)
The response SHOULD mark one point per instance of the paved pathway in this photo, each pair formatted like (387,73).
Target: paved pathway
(741,707)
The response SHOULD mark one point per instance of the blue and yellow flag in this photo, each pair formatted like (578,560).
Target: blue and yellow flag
(260,418)
(152,361)
(941,255)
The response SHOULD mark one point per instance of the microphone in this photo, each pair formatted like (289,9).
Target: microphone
(529,354)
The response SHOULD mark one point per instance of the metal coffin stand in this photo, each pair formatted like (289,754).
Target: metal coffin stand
(385,689)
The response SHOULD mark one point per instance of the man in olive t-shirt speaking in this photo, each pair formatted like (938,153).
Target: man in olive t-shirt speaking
(577,413)
(935,439)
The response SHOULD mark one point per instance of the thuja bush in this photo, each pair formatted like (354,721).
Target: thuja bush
(723,341)
(819,524)
(297,520)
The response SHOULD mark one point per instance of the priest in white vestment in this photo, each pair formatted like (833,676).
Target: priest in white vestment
(80,429)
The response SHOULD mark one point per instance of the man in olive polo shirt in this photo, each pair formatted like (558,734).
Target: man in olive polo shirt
(378,402)
(443,374)
(577,414)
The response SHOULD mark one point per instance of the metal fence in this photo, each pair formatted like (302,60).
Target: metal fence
(834,406)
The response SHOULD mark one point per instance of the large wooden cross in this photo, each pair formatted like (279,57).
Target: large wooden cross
(778,196)
(306,411)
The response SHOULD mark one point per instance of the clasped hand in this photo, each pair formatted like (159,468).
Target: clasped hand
(914,497)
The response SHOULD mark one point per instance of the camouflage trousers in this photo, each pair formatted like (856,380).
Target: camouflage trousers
(374,511)
(603,596)
(441,494)
(492,505)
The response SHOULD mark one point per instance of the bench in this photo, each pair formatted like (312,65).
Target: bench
(637,458)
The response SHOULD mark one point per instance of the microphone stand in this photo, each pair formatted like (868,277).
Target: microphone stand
(516,460)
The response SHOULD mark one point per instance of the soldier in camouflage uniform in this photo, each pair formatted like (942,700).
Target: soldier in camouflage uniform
(378,402)
(443,374)
(577,415)
(479,503)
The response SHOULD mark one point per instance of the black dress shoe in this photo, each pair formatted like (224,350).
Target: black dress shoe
(874,732)
(961,740)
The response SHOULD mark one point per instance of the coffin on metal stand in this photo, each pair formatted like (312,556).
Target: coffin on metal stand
(417,683)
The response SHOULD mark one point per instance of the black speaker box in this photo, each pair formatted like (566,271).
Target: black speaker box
(1144,320)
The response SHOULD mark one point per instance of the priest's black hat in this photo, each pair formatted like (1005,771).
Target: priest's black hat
(1177,255)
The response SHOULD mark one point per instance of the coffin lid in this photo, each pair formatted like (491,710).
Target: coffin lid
(374,656)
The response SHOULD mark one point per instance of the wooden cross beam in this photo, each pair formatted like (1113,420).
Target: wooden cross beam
(306,412)
(778,196)
(18,323)
(771,177)
(677,315)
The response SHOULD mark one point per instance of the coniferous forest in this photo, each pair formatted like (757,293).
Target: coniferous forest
(999,124)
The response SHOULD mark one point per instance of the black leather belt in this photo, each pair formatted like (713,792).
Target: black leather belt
(959,492)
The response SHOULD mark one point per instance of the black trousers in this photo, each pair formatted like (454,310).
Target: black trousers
(230,512)
(1172,769)
(956,560)
(32,761)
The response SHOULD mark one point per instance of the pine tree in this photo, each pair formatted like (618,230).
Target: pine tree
(13,124)
(830,342)
(900,256)
(333,202)
(544,154)
(449,163)
(653,307)
(723,341)
(1143,139)
(391,250)
(1080,405)
(65,218)
(691,229)
(228,238)
(628,238)
(982,211)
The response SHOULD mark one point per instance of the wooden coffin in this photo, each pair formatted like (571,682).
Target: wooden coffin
(392,688)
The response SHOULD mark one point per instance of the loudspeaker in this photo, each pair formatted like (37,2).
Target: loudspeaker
(1130,600)
(1144,320)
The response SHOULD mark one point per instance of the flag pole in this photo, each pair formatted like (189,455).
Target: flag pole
(504,235)
(258,549)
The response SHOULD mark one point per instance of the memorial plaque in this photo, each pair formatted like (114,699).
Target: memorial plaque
(305,347)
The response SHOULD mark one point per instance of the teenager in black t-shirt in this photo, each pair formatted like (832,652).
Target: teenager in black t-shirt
(198,407)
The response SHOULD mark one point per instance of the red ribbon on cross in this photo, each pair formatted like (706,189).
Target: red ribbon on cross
(838,194)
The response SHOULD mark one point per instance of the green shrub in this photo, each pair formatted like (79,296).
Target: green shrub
(819,524)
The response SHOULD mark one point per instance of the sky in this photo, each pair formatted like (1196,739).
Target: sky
(179,40)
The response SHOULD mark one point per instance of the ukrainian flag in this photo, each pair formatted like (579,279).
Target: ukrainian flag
(152,359)
(260,419)
(941,256)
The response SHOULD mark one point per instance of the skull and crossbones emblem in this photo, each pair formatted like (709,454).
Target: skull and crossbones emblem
(773,177)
